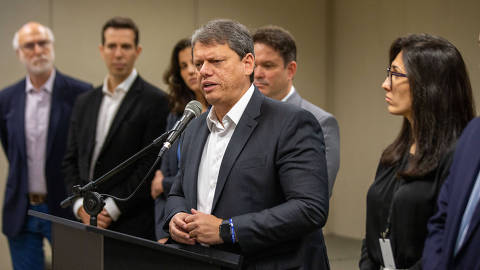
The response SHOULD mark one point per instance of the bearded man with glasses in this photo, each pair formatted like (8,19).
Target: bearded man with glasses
(34,120)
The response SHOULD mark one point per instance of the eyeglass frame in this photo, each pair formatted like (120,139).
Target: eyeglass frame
(391,73)
(30,46)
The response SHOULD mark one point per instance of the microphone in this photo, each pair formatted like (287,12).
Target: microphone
(192,110)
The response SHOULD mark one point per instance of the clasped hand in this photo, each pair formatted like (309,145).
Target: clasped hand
(103,219)
(196,227)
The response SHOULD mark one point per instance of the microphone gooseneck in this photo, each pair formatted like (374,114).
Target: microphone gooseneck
(192,110)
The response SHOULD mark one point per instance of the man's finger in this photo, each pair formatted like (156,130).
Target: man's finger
(180,236)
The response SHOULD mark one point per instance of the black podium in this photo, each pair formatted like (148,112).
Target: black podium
(79,246)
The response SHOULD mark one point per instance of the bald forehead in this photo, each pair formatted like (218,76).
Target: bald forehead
(33,28)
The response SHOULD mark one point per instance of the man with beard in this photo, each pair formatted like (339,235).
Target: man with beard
(34,120)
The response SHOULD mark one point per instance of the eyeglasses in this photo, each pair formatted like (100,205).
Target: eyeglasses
(30,46)
(391,73)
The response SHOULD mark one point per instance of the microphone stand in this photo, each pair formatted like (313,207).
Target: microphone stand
(93,201)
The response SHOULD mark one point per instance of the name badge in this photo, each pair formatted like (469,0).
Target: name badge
(387,253)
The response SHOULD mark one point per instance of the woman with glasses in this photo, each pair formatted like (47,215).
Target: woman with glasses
(428,85)
(184,86)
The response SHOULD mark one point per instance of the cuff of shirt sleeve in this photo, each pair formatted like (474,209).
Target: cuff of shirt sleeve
(112,209)
(76,205)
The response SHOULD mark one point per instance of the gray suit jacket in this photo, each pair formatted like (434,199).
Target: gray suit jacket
(331,135)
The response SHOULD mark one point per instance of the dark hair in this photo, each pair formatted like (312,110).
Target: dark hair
(442,102)
(222,31)
(121,22)
(179,93)
(279,39)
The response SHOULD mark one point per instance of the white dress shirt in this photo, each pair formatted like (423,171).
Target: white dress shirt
(214,149)
(111,101)
(37,114)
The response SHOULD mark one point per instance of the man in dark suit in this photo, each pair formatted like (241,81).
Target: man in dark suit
(253,173)
(34,119)
(109,125)
(453,240)
(275,68)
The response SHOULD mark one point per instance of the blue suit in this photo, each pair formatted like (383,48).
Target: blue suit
(12,135)
(444,226)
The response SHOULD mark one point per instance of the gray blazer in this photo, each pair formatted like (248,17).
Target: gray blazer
(331,135)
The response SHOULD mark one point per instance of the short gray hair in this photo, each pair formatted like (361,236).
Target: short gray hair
(16,36)
(222,31)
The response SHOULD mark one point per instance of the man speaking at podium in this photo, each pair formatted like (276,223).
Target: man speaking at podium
(253,177)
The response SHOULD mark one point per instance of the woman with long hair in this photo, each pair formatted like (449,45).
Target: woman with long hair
(428,85)
(184,86)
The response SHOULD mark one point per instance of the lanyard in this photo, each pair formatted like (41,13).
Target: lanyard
(386,233)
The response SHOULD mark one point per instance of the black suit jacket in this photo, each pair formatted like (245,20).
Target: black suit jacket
(272,182)
(12,134)
(140,118)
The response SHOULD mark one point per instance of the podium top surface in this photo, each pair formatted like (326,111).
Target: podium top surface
(201,253)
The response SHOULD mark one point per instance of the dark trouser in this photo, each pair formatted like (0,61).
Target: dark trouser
(26,249)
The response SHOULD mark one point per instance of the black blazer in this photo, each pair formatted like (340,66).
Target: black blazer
(139,120)
(12,134)
(272,182)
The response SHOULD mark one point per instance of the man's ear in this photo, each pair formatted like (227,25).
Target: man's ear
(291,69)
(100,49)
(139,49)
(249,63)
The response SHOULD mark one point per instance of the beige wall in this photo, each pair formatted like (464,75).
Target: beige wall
(361,36)
(342,55)
(77,26)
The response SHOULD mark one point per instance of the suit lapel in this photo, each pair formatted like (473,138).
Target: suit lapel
(240,136)
(55,110)
(196,153)
(470,167)
(474,222)
(127,103)
(19,118)
(91,113)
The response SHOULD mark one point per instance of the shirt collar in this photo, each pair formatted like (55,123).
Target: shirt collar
(123,86)
(235,112)
(47,86)
(290,93)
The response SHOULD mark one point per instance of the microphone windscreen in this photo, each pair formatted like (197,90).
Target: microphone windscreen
(195,107)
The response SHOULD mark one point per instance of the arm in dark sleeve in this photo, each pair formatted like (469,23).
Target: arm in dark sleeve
(167,184)
(170,166)
(155,117)
(302,174)
(432,250)
(5,104)
(175,202)
(365,262)
(70,161)
(331,135)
